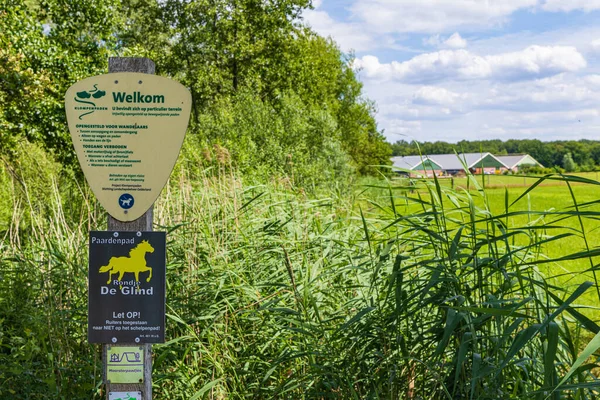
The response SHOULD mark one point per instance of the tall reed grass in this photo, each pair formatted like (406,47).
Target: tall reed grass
(379,291)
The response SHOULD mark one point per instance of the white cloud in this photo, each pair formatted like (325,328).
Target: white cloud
(434,16)
(410,112)
(560,117)
(496,84)
(595,45)
(436,96)
(531,63)
(593,80)
(402,111)
(399,127)
(434,41)
(554,125)
(558,107)
(430,67)
(455,41)
(427,104)
(571,5)
(347,35)
(556,94)
(536,61)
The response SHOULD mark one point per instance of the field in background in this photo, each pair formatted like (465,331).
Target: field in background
(540,207)
(510,181)
(556,197)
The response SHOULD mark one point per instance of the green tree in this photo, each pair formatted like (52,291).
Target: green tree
(45,47)
(222,49)
(568,164)
(23,83)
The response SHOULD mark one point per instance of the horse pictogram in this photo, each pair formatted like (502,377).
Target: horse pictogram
(135,262)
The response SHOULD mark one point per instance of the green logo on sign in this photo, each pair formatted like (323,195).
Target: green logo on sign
(89,94)
(126,398)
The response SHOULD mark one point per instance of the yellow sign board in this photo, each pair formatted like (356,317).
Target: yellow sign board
(125,364)
(127,130)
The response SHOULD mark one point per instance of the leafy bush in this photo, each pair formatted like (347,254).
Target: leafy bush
(6,196)
(292,140)
(535,170)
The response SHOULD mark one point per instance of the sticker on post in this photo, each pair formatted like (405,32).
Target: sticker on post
(125,364)
(126,201)
(124,395)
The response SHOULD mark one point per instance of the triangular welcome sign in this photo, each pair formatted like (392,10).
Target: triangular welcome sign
(127,129)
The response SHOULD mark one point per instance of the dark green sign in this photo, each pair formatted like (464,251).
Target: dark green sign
(126,298)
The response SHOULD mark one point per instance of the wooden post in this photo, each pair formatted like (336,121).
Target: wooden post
(143,223)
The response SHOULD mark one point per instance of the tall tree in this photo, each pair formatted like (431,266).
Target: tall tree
(568,164)
(46,46)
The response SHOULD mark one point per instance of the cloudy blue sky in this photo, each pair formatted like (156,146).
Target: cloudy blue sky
(473,69)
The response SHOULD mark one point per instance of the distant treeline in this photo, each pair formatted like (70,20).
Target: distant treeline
(570,155)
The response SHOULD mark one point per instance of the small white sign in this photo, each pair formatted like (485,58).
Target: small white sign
(124,395)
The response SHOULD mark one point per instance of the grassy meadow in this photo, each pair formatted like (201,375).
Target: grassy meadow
(557,200)
(374,290)
(543,206)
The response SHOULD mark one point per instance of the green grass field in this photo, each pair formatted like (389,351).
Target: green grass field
(586,232)
(542,205)
(510,181)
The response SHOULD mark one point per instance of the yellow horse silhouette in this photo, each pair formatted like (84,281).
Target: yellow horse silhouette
(136,263)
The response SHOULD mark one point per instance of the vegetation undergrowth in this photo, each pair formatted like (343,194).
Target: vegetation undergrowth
(374,291)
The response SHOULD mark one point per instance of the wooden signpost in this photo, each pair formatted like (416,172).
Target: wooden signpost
(141,224)
(127,129)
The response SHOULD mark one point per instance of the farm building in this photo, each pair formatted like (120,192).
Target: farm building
(453,164)
(514,161)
